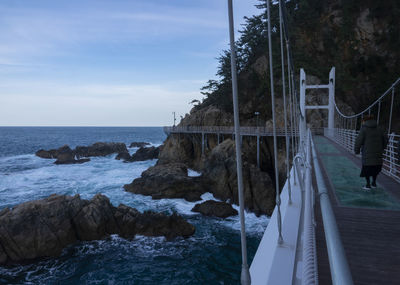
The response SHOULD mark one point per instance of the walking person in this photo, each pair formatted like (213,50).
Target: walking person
(372,142)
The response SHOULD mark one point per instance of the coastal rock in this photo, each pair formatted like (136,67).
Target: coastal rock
(95,220)
(218,167)
(65,155)
(48,154)
(146,153)
(168,181)
(138,144)
(123,156)
(53,153)
(100,149)
(42,228)
(151,224)
(215,208)
(220,170)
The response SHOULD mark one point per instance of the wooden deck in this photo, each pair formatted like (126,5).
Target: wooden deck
(371,237)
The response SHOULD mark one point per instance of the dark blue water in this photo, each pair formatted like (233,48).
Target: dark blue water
(26,140)
(211,256)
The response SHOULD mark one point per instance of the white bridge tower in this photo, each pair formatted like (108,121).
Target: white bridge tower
(303,107)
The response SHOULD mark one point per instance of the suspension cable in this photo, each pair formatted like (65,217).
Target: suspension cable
(370,106)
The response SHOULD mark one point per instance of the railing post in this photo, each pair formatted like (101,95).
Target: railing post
(302,125)
(391,153)
(331,104)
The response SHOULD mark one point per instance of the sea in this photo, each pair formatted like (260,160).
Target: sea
(211,256)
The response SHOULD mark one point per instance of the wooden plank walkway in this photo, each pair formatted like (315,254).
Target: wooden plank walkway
(371,237)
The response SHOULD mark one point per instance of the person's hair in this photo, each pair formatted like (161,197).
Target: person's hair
(368,117)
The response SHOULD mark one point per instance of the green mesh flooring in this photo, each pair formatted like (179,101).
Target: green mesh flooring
(324,146)
(346,180)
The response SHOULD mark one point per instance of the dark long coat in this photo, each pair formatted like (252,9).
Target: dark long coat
(371,141)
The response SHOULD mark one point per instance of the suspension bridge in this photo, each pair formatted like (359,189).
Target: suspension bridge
(324,229)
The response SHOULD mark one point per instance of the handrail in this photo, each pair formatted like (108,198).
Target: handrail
(229,130)
(339,266)
(310,275)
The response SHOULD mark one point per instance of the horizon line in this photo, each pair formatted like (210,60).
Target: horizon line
(76,126)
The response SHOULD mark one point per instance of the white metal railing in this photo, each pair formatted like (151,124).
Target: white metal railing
(293,258)
(246,131)
(391,155)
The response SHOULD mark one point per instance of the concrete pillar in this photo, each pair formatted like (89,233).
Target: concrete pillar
(202,143)
(258,151)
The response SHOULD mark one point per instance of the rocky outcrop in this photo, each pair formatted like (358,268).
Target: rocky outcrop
(143,153)
(65,155)
(215,209)
(168,181)
(43,228)
(208,116)
(125,156)
(220,170)
(146,153)
(48,154)
(138,144)
(100,149)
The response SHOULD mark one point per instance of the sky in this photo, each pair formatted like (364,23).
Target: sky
(109,62)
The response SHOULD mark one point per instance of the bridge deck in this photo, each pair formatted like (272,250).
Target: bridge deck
(369,228)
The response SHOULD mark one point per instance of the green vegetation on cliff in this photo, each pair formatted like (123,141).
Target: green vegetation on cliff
(360,38)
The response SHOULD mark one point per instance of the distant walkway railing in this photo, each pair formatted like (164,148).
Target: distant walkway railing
(391,156)
(244,131)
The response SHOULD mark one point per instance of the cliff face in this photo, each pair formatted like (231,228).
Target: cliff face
(359,38)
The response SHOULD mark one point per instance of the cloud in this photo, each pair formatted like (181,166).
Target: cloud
(49,103)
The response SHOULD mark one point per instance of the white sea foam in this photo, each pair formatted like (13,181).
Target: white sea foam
(193,173)
(39,178)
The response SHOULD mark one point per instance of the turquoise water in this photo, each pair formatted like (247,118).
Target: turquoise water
(211,256)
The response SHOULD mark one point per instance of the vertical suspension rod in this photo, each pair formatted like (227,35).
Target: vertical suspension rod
(245,274)
(284,103)
(278,199)
(379,112)
(391,112)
